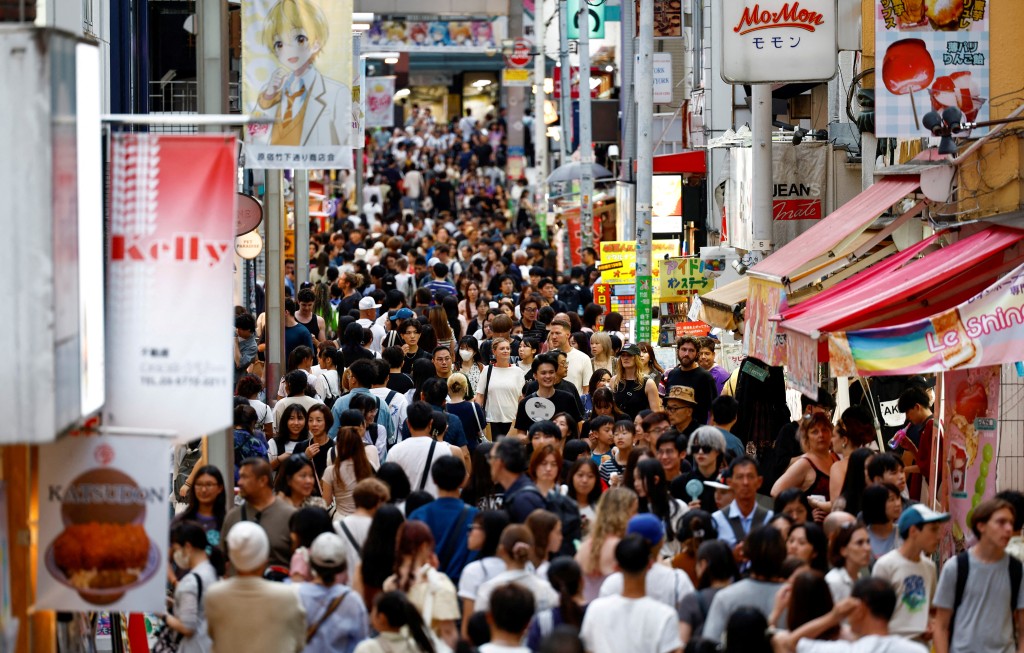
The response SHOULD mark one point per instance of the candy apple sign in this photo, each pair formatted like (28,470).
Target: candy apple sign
(775,41)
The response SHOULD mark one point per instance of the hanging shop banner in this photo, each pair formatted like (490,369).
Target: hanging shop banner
(970,442)
(426,34)
(987,329)
(169,271)
(767,41)
(380,104)
(761,338)
(358,94)
(103,518)
(624,251)
(575,229)
(297,72)
(682,278)
(668,19)
(802,364)
(931,55)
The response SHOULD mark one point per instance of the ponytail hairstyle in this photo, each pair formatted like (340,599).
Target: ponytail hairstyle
(566,577)
(541,524)
(190,532)
(401,613)
(517,544)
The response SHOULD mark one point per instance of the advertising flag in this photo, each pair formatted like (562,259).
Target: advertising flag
(380,105)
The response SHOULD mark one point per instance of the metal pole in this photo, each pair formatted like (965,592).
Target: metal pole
(565,106)
(274,220)
(628,107)
(540,130)
(761,110)
(586,146)
(301,196)
(644,169)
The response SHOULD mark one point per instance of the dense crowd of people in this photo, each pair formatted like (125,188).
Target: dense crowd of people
(467,453)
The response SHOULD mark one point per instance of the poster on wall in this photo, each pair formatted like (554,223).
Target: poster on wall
(932,55)
(970,442)
(297,72)
(668,19)
(358,94)
(169,254)
(103,519)
(427,34)
(380,105)
(618,261)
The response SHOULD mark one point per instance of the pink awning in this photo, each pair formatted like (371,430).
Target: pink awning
(919,281)
(845,222)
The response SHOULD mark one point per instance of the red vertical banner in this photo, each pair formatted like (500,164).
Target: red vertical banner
(169,272)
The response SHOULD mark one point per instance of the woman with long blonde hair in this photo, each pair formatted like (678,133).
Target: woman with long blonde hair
(602,351)
(596,555)
(632,386)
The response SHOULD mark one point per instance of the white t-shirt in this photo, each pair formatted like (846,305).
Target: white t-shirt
(914,584)
(503,392)
(490,647)
(663,584)
(868,644)
(328,384)
(398,406)
(359,526)
(581,368)
(476,574)
(411,455)
(264,414)
(544,596)
(614,624)
(839,583)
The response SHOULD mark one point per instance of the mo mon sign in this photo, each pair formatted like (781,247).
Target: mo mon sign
(777,41)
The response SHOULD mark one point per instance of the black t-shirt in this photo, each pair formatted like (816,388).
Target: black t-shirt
(677,488)
(400,382)
(703,385)
(441,192)
(563,385)
(411,358)
(563,402)
(349,303)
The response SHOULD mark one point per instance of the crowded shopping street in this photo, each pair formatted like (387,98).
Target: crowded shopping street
(500,326)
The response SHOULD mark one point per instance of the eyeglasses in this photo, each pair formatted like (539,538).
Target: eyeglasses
(530,309)
(701,448)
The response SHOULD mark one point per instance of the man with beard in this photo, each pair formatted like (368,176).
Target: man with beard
(688,373)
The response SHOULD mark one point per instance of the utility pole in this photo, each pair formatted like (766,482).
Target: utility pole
(565,106)
(300,197)
(273,207)
(761,128)
(540,130)
(628,107)
(586,146)
(644,169)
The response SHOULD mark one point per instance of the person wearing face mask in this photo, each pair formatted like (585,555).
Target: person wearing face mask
(187,617)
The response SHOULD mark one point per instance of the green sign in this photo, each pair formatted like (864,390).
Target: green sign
(596,20)
(644,291)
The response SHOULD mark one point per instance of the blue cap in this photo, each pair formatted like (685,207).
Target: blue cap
(647,526)
(918,515)
(402,314)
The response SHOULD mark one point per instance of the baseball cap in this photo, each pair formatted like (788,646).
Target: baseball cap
(366,303)
(918,515)
(632,350)
(402,314)
(328,550)
(647,526)
(682,393)
(248,546)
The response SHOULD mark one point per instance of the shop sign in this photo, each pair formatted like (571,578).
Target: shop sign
(662,78)
(249,214)
(696,328)
(249,246)
(682,278)
(574,83)
(778,41)
(931,55)
(668,19)
(311,129)
(970,443)
(517,77)
(103,520)
(625,251)
(170,258)
(761,338)
(380,105)
(987,329)
(596,19)
(424,33)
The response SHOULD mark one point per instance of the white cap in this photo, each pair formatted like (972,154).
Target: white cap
(366,303)
(328,550)
(360,254)
(248,546)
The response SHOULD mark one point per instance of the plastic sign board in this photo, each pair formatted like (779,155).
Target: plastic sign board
(596,20)
(663,78)
(778,41)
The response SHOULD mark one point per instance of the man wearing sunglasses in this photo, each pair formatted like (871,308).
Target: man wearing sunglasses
(680,403)
(707,453)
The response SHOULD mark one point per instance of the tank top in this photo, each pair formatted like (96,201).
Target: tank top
(631,398)
(821,480)
(313,326)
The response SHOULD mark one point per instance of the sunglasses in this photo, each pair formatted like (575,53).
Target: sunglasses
(701,448)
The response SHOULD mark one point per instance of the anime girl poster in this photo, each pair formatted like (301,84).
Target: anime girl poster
(297,72)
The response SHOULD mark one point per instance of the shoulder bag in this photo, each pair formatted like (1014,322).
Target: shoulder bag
(331,607)
(485,433)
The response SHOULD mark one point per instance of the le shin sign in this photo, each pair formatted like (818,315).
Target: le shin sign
(778,41)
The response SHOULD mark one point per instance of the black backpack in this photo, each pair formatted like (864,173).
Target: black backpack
(567,511)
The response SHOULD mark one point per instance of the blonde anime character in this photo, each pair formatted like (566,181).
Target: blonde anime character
(309,108)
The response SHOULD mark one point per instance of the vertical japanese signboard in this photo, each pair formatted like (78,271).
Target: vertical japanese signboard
(103,519)
(169,271)
(931,55)
(297,71)
(970,442)
(776,41)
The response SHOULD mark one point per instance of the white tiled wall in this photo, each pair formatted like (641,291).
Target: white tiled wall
(1010,470)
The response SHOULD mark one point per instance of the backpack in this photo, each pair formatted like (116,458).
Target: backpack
(567,511)
(963,569)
